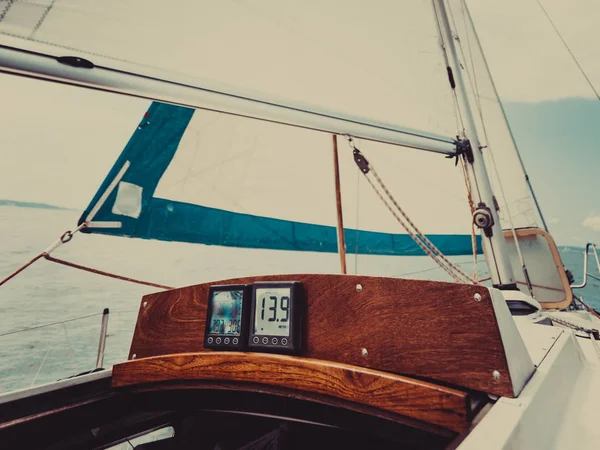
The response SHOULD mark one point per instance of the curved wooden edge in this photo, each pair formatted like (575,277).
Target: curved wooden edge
(427,402)
(250,388)
(524,232)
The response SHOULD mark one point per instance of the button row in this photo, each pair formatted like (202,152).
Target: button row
(226,341)
(255,340)
(265,340)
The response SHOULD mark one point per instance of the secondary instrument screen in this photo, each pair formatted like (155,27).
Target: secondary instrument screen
(226,314)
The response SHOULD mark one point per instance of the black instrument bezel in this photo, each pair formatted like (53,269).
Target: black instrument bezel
(243,337)
(296,342)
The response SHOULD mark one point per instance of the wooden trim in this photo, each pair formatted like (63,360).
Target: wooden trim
(528,232)
(338,201)
(426,329)
(418,400)
(192,386)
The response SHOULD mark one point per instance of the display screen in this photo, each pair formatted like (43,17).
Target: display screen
(226,313)
(272,312)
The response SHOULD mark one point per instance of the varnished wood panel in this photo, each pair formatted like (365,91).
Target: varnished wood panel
(428,329)
(393,393)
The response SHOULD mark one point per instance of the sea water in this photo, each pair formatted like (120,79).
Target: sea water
(66,304)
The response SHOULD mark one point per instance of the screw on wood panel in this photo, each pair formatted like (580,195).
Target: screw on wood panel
(359,288)
(145,304)
(133,356)
(364,352)
(496,375)
(477,297)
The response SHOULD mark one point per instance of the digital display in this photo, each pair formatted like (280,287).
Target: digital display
(226,317)
(272,311)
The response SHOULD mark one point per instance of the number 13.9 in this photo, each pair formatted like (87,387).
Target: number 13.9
(271,301)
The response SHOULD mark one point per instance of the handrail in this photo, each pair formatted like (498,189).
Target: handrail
(585,266)
(59,322)
(102,340)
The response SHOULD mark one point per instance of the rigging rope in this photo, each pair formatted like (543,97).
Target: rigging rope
(592,332)
(413,236)
(586,306)
(21,269)
(475,89)
(63,322)
(589,82)
(105,274)
(66,237)
(417,236)
(51,346)
(472,206)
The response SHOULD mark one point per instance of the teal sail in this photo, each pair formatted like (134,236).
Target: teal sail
(128,203)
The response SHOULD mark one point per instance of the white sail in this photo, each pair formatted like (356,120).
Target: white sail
(249,166)
(502,158)
(320,53)
(394,73)
(535,261)
(215,178)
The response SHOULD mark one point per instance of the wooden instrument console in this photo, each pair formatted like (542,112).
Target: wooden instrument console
(365,337)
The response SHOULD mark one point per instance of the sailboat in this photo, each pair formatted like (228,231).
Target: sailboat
(249,150)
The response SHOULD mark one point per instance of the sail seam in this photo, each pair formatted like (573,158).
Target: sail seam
(4,12)
(42,18)
(298,109)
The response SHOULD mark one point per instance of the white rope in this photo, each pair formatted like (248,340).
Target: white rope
(66,237)
(420,238)
(50,348)
(71,352)
(417,236)
(59,322)
(472,207)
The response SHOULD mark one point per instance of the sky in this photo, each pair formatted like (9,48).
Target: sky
(58,143)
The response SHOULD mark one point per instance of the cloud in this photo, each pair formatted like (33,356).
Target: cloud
(554,220)
(592,222)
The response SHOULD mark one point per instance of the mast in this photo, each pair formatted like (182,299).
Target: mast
(485,216)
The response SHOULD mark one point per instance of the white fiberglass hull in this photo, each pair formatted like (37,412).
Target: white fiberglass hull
(557,408)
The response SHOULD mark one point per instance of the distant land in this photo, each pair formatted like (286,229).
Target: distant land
(32,205)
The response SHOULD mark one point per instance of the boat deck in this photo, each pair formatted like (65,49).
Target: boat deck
(432,382)
(557,408)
